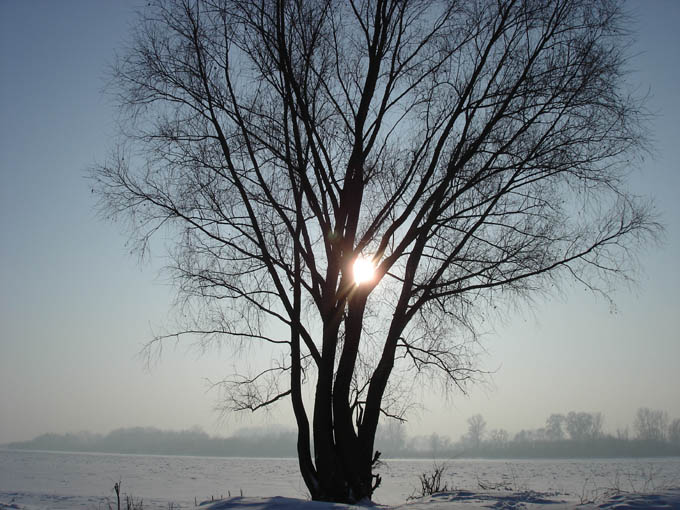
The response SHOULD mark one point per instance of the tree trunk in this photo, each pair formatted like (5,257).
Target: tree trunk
(351,481)
(343,463)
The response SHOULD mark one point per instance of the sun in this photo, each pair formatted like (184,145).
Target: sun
(363,270)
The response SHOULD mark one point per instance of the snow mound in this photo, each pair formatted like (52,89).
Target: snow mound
(668,499)
(502,500)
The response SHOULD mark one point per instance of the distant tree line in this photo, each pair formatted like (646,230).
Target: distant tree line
(153,441)
(571,435)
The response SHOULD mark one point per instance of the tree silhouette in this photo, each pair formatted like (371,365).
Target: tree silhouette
(474,152)
(583,426)
(553,427)
(651,424)
(476,430)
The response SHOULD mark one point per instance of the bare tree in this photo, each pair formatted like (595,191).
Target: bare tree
(553,427)
(471,152)
(674,431)
(650,424)
(499,438)
(596,429)
(439,444)
(583,426)
(391,437)
(476,430)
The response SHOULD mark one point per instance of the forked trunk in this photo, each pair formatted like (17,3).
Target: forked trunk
(343,478)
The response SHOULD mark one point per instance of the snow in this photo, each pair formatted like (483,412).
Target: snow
(68,481)
(457,500)
(471,500)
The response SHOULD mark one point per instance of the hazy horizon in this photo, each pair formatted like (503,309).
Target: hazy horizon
(275,429)
(76,307)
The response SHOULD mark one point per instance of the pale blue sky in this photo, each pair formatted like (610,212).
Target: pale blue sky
(75,307)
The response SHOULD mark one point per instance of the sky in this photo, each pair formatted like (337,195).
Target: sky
(76,306)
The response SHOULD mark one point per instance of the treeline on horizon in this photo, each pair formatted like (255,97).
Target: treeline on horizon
(571,435)
(277,442)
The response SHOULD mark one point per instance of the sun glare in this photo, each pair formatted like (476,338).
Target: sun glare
(363,270)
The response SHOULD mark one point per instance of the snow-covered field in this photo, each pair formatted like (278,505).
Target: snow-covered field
(468,500)
(45,480)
